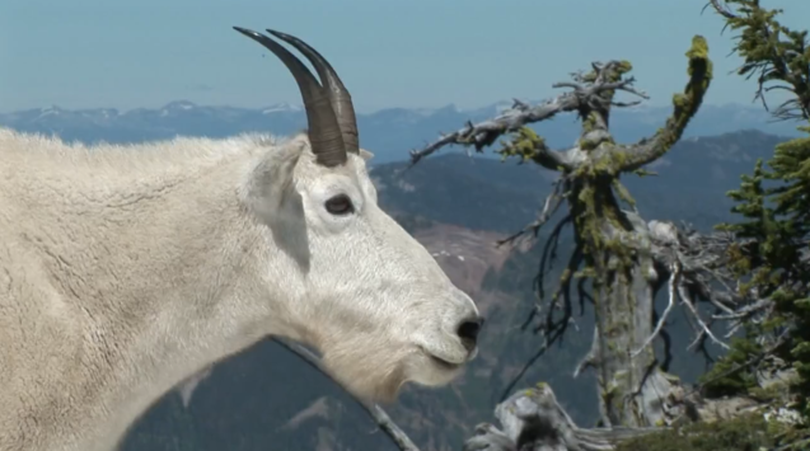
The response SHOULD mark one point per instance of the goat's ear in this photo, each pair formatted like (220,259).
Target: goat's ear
(366,155)
(271,193)
(272,197)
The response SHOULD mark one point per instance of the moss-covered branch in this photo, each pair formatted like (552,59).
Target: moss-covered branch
(592,91)
(685,106)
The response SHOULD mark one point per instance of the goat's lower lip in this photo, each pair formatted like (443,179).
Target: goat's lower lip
(442,362)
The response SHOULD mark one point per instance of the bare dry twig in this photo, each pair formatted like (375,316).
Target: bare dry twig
(698,272)
(705,329)
(723,10)
(552,203)
(584,93)
(706,276)
(674,280)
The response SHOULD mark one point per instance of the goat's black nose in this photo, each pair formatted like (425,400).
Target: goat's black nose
(468,331)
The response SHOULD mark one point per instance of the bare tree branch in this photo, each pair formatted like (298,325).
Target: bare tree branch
(546,262)
(706,276)
(720,9)
(698,272)
(585,93)
(704,327)
(780,341)
(484,134)
(398,436)
(550,206)
(674,280)
(590,359)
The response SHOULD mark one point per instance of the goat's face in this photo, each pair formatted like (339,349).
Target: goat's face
(384,309)
(362,290)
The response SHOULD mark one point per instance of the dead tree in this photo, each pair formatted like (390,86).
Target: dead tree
(617,264)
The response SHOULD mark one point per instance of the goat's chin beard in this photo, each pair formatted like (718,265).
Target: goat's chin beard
(367,369)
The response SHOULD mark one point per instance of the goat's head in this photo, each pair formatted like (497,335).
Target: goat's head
(368,295)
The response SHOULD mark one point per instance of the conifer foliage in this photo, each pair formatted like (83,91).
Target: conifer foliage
(772,255)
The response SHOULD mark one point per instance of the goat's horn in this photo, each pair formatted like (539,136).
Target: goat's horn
(325,135)
(338,94)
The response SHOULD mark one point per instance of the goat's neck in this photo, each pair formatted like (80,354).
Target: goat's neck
(158,310)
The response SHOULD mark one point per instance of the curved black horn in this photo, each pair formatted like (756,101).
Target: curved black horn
(338,94)
(324,132)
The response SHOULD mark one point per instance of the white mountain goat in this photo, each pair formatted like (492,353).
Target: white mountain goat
(126,269)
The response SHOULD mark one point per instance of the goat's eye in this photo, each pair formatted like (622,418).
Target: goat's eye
(340,205)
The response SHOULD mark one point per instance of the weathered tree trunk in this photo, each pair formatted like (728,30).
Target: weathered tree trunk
(634,391)
(532,420)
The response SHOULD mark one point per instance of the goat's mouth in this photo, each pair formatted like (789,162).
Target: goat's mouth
(442,362)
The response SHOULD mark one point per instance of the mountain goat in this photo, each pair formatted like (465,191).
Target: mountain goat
(126,269)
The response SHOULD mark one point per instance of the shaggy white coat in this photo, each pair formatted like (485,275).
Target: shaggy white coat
(126,269)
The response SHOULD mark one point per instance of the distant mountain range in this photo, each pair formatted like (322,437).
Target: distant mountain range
(389,133)
(267,399)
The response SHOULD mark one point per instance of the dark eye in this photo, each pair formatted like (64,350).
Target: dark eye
(340,205)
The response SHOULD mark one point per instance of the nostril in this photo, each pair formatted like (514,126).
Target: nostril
(468,331)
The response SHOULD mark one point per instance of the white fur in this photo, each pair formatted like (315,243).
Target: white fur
(125,270)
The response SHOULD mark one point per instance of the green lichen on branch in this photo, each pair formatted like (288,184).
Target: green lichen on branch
(526,145)
(685,106)
(594,115)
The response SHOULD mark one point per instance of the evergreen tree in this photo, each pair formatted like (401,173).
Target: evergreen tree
(771,256)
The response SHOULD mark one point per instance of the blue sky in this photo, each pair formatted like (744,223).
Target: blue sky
(415,53)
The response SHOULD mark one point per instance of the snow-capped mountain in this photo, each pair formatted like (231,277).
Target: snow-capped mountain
(390,132)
